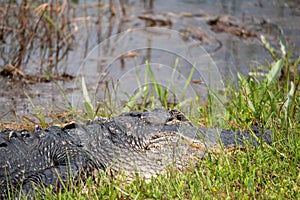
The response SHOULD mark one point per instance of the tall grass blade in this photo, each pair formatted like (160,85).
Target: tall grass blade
(189,79)
(61,90)
(158,89)
(133,99)
(283,46)
(87,101)
(288,102)
(55,25)
(38,113)
(245,86)
(274,72)
(269,48)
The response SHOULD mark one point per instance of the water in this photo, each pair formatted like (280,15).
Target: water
(92,26)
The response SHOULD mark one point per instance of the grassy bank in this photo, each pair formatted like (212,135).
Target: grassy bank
(267,172)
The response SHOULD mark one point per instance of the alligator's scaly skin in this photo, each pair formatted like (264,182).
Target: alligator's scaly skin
(135,142)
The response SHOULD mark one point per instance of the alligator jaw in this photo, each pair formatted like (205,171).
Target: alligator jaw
(165,150)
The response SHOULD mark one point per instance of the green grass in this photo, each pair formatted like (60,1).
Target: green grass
(265,172)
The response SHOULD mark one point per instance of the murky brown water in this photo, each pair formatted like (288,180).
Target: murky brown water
(96,49)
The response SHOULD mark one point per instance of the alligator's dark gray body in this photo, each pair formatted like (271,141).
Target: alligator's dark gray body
(136,142)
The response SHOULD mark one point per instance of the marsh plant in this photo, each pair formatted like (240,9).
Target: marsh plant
(30,29)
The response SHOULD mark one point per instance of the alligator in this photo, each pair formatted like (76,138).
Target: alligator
(136,143)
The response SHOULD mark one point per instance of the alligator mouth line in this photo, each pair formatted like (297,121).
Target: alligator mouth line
(173,140)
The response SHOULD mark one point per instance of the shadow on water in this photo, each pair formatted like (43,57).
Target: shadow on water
(44,43)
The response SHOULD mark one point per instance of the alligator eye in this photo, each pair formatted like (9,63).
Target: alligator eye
(3,144)
(179,117)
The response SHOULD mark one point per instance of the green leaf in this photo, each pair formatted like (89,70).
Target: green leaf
(87,101)
(288,102)
(188,81)
(85,92)
(283,46)
(89,110)
(133,99)
(269,48)
(274,72)
(247,91)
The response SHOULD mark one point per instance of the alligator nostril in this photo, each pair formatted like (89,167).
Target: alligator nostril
(3,144)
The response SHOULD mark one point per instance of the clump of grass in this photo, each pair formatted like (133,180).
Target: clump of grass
(151,94)
(272,101)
